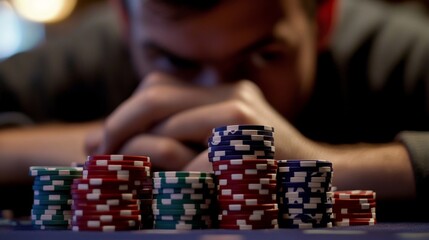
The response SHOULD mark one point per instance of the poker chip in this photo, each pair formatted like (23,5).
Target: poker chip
(114,194)
(304,193)
(183,200)
(243,127)
(245,132)
(52,200)
(354,207)
(216,140)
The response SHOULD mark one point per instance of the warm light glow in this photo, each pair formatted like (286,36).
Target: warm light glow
(44,10)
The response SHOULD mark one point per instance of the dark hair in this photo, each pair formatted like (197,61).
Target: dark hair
(183,8)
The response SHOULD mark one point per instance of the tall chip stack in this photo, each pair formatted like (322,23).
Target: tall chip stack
(243,162)
(354,207)
(304,193)
(183,200)
(108,197)
(52,199)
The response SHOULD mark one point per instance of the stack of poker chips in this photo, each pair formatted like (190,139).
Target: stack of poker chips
(183,200)
(304,193)
(108,196)
(245,172)
(52,199)
(356,207)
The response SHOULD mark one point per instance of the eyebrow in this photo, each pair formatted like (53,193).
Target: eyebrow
(247,50)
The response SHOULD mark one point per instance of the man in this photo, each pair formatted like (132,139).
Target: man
(213,63)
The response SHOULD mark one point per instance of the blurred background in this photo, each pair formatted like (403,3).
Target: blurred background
(25,24)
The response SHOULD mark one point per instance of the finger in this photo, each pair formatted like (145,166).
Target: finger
(200,163)
(164,153)
(93,141)
(144,109)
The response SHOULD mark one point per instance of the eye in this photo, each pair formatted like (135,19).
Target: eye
(269,54)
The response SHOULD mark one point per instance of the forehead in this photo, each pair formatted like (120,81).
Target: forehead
(215,33)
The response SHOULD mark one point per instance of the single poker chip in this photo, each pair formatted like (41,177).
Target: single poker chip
(162,225)
(53,197)
(282,169)
(110,202)
(117,167)
(355,205)
(96,224)
(240,148)
(181,180)
(242,142)
(305,184)
(122,163)
(51,207)
(105,187)
(229,191)
(50,212)
(304,189)
(50,217)
(353,215)
(340,210)
(258,153)
(304,174)
(307,195)
(246,196)
(247,202)
(243,207)
(247,172)
(51,188)
(240,157)
(250,186)
(106,208)
(215,139)
(248,217)
(181,218)
(115,177)
(107,182)
(183,191)
(245,132)
(304,163)
(247,227)
(308,206)
(355,194)
(52,202)
(183,196)
(53,182)
(98,196)
(61,171)
(355,223)
(242,127)
(57,177)
(185,185)
(109,191)
(118,158)
(354,201)
(119,212)
(106,218)
(303,200)
(250,212)
(131,173)
(200,222)
(226,182)
(51,228)
(233,220)
(304,225)
(182,212)
(106,228)
(244,178)
(304,211)
(181,206)
(257,167)
(50,222)
(247,163)
(306,179)
(172,174)
(161,202)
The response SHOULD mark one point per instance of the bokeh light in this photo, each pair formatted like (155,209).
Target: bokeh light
(46,11)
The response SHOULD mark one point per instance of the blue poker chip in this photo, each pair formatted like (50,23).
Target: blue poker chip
(305,185)
(316,206)
(216,139)
(244,132)
(242,142)
(289,175)
(241,148)
(242,127)
(306,195)
(283,169)
(304,163)
(238,153)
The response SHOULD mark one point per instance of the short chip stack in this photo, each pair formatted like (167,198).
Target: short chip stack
(108,196)
(245,172)
(355,207)
(304,193)
(183,200)
(52,199)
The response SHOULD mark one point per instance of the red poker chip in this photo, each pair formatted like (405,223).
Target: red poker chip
(106,191)
(101,213)
(354,194)
(94,223)
(354,201)
(247,196)
(113,202)
(247,172)
(245,162)
(250,186)
(238,177)
(252,217)
(338,210)
(107,218)
(246,227)
(122,163)
(98,196)
(354,219)
(242,207)
(354,205)
(354,223)
(247,202)
(142,174)
(101,188)
(220,165)
(233,220)
(116,168)
(354,215)
(105,207)
(118,157)
(106,228)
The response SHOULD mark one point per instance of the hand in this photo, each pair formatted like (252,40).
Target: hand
(166,110)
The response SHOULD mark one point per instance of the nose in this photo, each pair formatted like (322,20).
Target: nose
(215,75)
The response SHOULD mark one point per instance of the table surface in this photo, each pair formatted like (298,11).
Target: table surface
(381,231)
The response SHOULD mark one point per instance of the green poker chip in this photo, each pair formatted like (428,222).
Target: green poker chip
(45,217)
(182,218)
(180,180)
(51,227)
(50,222)
(179,226)
(61,171)
(50,212)
(63,207)
(51,188)
(183,191)
(57,177)
(53,202)
(54,182)
(184,185)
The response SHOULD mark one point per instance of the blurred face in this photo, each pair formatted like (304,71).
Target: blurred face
(271,43)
